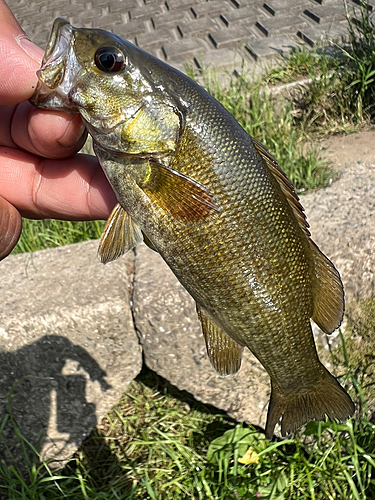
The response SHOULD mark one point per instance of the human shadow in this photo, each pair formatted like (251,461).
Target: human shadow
(39,391)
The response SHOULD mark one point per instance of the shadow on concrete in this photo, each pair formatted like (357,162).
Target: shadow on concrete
(43,388)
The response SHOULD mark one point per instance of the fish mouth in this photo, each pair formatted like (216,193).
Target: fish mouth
(59,67)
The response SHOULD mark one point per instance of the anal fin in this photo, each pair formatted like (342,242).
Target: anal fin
(120,235)
(224,353)
(328,293)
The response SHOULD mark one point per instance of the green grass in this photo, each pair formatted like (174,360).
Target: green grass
(341,94)
(158,443)
(41,234)
(301,64)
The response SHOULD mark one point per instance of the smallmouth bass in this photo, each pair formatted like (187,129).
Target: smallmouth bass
(216,206)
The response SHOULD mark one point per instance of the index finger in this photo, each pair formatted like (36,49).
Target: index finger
(21,60)
(71,189)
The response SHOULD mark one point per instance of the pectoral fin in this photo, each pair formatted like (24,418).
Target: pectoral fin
(224,353)
(120,235)
(177,194)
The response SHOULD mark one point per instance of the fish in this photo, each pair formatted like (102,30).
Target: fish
(215,204)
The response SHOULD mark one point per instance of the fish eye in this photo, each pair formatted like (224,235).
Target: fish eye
(109,59)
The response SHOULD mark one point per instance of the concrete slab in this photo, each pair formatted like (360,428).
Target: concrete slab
(68,348)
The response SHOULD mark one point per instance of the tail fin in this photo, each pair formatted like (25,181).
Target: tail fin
(326,398)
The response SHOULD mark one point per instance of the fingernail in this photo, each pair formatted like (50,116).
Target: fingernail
(32,50)
(73,132)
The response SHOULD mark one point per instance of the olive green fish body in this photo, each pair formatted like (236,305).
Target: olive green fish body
(215,205)
(247,265)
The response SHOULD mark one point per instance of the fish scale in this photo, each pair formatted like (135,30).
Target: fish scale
(216,206)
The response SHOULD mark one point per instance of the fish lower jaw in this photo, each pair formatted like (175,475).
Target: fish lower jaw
(44,97)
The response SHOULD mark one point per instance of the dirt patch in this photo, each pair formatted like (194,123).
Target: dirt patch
(351,149)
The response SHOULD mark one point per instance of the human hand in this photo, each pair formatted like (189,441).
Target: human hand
(39,176)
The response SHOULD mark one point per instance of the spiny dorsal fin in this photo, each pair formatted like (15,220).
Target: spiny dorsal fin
(328,293)
(224,353)
(285,184)
(120,235)
(179,195)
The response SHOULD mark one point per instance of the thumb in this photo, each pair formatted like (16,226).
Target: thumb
(10,227)
(20,60)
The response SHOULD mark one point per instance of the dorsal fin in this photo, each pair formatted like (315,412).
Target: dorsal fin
(328,293)
(285,184)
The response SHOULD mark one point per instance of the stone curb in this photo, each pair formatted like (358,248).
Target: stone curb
(68,348)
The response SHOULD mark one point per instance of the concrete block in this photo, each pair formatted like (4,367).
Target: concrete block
(133,28)
(270,47)
(282,7)
(173,5)
(122,7)
(225,63)
(155,38)
(196,27)
(239,4)
(281,24)
(247,15)
(369,4)
(215,7)
(328,2)
(184,50)
(230,37)
(171,18)
(146,13)
(323,33)
(68,347)
(322,13)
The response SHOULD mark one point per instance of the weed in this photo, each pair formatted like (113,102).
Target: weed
(341,93)
(301,63)
(359,348)
(42,234)
(360,63)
